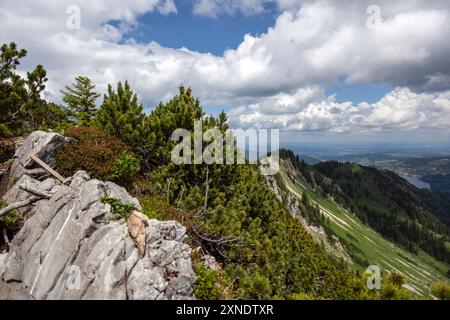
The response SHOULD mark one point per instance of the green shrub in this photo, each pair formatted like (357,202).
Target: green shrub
(154,207)
(120,210)
(300,296)
(4,131)
(12,219)
(124,169)
(101,155)
(397,279)
(122,116)
(210,284)
(441,291)
(6,151)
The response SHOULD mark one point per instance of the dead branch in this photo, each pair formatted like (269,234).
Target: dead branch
(35,192)
(180,201)
(168,191)
(48,169)
(219,241)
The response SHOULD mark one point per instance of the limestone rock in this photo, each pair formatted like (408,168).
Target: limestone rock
(42,144)
(70,247)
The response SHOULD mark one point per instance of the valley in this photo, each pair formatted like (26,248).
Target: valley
(430,171)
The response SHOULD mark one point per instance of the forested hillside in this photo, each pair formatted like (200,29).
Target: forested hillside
(413,218)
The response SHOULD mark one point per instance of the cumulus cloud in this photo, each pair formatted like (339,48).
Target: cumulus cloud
(400,110)
(277,77)
(215,8)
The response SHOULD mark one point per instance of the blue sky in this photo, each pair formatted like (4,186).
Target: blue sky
(201,33)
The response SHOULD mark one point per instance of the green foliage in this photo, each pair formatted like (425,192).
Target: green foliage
(210,284)
(80,99)
(124,169)
(154,207)
(392,288)
(9,59)
(12,220)
(180,112)
(22,108)
(99,154)
(397,279)
(441,290)
(6,151)
(300,296)
(389,205)
(122,211)
(5,131)
(122,116)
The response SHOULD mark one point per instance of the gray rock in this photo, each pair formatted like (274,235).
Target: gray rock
(210,262)
(2,263)
(73,230)
(71,248)
(39,143)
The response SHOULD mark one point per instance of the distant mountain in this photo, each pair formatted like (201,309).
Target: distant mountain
(433,170)
(310,160)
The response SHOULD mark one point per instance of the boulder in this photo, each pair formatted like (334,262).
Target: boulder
(73,247)
(39,143)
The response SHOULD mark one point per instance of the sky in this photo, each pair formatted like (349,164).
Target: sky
(318,70)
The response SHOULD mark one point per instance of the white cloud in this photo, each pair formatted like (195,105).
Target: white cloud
(215,8)
(400,110)
(288,66)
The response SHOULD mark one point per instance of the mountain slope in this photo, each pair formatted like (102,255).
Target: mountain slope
(364,245)
(391,206)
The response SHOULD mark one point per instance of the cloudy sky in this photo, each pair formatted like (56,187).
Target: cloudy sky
(324,68)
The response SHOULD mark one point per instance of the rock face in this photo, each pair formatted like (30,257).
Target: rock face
(71,246)
(41,144)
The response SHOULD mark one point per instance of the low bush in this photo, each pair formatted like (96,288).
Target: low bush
(6,151)
(154,207)
(210,284)
(101,155)
(119,210)
(441,291)
(124,169)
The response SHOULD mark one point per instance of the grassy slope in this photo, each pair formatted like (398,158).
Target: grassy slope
(422,271)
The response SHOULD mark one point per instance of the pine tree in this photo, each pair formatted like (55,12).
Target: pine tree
(122,116)
(9,59)
(80,99)
(10,83)
(223,122)
(21,105)
(180,112)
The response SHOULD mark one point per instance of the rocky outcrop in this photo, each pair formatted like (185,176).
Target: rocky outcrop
(73,247)
(43,145)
